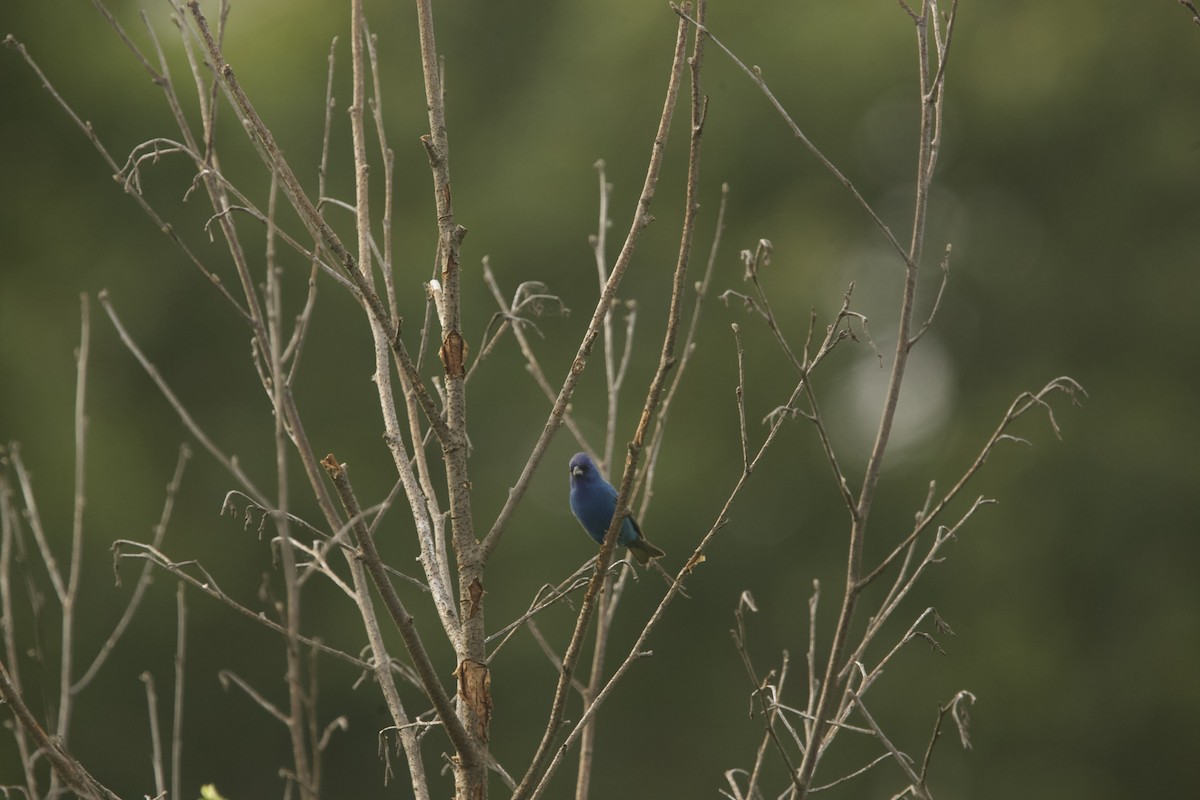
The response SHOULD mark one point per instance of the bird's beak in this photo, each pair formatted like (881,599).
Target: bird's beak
(576,471)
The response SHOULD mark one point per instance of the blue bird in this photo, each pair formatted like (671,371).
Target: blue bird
(593,501)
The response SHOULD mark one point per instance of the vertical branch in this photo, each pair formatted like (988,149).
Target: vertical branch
(474,682)
(610,366)
(177,716)
(418,502)
(667,358)
(160,779)
(929,138)
(645,487)
(297,706)
(421,500)
(810,658)
(9,530)
(65,697)
(740,393)
(605,604)
(535,778)
(381,665)
(376,102)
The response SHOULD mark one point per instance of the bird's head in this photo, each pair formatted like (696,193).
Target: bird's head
(582,468)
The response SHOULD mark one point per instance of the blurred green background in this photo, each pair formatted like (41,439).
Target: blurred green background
(1068,186)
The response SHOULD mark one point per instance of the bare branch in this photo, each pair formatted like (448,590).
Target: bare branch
(10,523)
(35,521)
(755,75)
(1191,7)
(156,759)
(645,485)
(159,222)
(740,393)
(400,617)
(904,762)
(228,676)
(230,463)
(208,585)
(70,771)
(937,301)
(855,774)
(177,715)
(143,581)
(957,707)
(1021,405)
(546,597)
(531,361)
(766,691)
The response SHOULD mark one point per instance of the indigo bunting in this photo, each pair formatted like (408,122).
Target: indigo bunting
(593,501)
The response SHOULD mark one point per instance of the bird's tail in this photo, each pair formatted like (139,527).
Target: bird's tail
(644,552)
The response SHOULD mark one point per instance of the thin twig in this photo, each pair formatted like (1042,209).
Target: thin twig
(156,749)
(376,102)
(764,690)
(531,361)
(740,394)
(177,714)
(229,463)
(228,676)
(904,762)
(937,301)
(755,75)
(1025,402)
(70,597)
(277,387)
(866,767)
(599,241)
(1191,7)
(210,587)
(545,597)
(10,523)
(143,581)
(162,225)
(70,771)
(645,485)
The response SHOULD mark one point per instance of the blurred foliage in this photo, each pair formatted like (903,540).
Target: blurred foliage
(1067,187)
